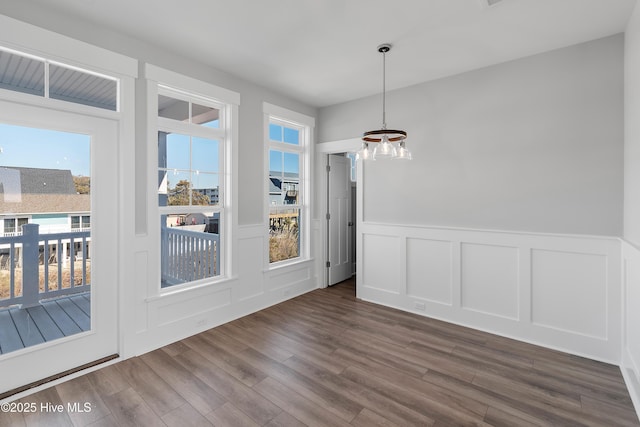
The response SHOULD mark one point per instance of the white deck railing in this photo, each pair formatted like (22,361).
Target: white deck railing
(28,251)
(188,255)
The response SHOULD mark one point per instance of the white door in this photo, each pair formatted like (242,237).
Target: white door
(340,219)
(45,146)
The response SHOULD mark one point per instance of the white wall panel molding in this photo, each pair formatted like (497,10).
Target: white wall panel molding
(382,260)
(488,274)
(558,280)
(631,316)
(430,270)
(558,291)
(250,248)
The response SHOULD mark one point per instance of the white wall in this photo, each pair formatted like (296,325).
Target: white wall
(632,131)
(631,248)
(534,144)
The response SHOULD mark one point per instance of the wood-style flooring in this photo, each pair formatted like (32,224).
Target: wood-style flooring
(327,359)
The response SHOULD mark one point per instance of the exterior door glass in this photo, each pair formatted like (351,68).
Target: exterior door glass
(45,246)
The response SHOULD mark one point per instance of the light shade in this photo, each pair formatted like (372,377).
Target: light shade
(384,149)
(364,153)
(402,153)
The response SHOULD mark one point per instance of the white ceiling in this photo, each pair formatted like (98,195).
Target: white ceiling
(323,52)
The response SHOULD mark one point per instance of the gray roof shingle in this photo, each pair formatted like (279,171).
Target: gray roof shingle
(44,191)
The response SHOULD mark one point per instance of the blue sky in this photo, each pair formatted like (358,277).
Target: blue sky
(193,159)
(42,148)
(280,161)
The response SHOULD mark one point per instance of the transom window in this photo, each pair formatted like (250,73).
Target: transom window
(287,168)
(24,73)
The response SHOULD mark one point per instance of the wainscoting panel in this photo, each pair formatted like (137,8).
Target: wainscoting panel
(631,347)
(250,249)
(188,306)
(283,278)
(381,255)
(561,278)
(489,277)
(558,291)
(430,270)
(141,261)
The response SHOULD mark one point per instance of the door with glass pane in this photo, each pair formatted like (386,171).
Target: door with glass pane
(58,235)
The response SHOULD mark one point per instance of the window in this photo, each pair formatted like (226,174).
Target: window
(13,226)
(37,76)
(353,158)
(288,162)
(192,185)
(80,222)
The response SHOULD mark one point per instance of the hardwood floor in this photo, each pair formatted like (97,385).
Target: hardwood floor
(328,359)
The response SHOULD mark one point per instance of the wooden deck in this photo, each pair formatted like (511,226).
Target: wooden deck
(327,359)
(53,319)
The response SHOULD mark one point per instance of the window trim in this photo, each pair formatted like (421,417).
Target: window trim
(305,124)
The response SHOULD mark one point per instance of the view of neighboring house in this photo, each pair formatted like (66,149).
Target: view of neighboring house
(283,188)
(194,221)
(47,197)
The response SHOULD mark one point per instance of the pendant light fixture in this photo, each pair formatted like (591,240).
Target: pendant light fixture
(384,143)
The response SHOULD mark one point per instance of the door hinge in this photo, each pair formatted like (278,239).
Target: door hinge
(328,168)
(328,216)
(328,264)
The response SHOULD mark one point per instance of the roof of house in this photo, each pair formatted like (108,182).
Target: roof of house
(45,181)
(46,203)
(275,185)
(43,191)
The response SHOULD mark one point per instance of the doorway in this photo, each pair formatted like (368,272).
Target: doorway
(59,206)
(341,222)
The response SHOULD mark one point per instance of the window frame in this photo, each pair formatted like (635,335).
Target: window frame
(16,224)
(192,130)
(169,83)
(81,223)
(304,124)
